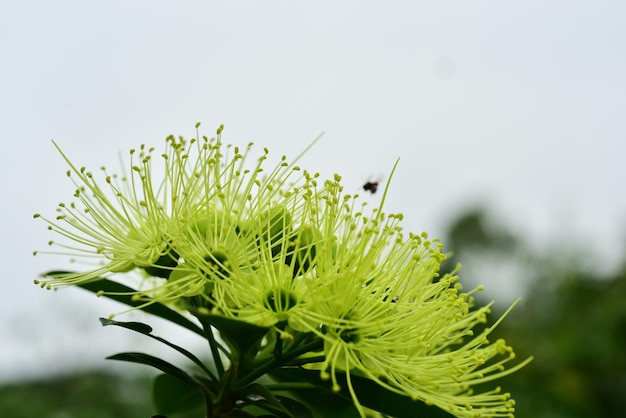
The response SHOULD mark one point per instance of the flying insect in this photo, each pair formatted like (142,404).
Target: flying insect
(371,186)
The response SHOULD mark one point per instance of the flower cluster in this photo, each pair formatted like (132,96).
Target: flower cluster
(288,251)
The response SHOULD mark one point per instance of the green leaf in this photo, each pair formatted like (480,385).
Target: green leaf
(238,413)
(164,366)
(323,404)
(135,326)
(259,395)
(240,335)
(147,330)
(170,395)
(369,393)
(295,408)
(115,291)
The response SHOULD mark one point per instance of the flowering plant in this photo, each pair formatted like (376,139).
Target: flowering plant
(311,305)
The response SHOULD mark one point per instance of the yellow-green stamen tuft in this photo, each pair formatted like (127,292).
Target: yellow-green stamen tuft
(286,250)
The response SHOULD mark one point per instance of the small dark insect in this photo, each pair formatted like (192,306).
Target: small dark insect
(371,186)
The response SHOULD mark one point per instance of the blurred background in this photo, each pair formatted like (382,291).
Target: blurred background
(507,118)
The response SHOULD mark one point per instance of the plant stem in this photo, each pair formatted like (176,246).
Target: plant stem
(274,363)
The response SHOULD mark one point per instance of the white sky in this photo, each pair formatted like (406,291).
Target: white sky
(516,103)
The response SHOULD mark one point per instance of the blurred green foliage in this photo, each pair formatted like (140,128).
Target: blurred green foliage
(90,394)
(572,320)
(577,332)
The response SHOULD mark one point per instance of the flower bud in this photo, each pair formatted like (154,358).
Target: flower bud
(274,228)
(302,244)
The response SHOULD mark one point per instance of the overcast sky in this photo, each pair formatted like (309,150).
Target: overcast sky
(519,104)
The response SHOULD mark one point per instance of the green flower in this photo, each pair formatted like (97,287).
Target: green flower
(283,249)
(383,313)
(126,223)
(261,257)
